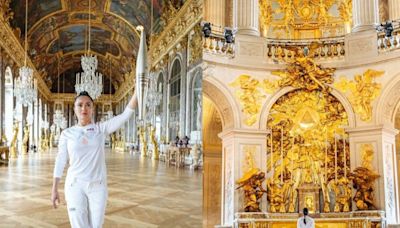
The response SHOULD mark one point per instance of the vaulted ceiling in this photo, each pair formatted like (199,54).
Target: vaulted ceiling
(57,34)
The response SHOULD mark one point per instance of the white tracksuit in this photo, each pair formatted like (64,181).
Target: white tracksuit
(86,181)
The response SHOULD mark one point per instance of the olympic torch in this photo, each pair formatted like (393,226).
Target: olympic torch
(142,78)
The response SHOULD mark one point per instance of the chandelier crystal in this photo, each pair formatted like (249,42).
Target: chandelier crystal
(153,99)
(25,85)
(89,80)
(25,91)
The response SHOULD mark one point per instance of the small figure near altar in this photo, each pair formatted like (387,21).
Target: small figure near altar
(305,221)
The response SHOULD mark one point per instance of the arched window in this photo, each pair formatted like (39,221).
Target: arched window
(196,102)
(174,99)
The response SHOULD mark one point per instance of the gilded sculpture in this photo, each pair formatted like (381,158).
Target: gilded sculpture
(302,72)
(153,140)
(25,140)
(249,96)
(363,180)
(251,183)
(364,90)
(13,145)
(143,142)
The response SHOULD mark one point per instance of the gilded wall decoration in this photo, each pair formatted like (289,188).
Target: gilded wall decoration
(345,10)
(250,96)
(299,19)
(364,90)
(308,148)
(195,47)
(265,15)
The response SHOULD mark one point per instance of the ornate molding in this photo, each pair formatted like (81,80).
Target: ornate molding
(5,12)
(14,49)
(127,86)
(184,21)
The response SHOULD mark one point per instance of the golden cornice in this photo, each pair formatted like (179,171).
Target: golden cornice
(15,50)
(187,17)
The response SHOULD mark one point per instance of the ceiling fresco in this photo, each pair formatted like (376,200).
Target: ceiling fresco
(57,32)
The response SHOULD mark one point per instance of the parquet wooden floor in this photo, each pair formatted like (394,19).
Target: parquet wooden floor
(142,193)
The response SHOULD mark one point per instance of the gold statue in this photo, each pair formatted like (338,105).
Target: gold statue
(363,180)
(155,155)
(143,143)
(251,182)
(13,145)
(25,140)
(363,92)
(303,72)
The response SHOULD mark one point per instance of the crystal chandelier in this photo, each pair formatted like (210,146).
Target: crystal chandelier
(89,80)
(25,89)
(153,99)
(58,117)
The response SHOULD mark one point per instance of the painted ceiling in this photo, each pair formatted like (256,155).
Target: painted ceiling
(57,35)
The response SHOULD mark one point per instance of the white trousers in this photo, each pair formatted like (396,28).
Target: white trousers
(86,203)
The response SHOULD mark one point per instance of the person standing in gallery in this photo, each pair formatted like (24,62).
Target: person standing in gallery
(305,221)
(82,146)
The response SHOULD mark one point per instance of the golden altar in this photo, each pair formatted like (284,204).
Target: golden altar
(356,219)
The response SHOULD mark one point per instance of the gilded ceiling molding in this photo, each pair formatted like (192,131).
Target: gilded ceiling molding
(13,47)
(125,88)
(5,12)
(180,25)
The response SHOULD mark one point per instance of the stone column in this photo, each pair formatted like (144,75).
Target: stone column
(214,12)
(382,140)
(394,9)
(365,15)
(235,145)
(245,17)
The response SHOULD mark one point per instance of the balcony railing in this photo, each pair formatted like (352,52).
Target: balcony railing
(386,44)
(327,49)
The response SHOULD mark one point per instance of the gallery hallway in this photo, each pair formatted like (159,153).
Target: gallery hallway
(142,193)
